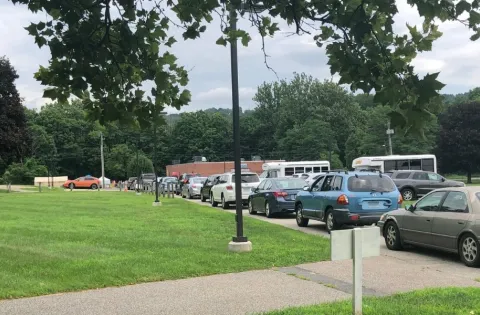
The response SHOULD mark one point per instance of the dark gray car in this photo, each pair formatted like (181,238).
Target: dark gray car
(414,184)
(445,219)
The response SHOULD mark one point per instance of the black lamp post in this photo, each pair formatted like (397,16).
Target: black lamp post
(239,239)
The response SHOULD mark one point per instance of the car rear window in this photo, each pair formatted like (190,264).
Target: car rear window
(198,180)
(247,178)
(368,183)
(402,175)
(291,183)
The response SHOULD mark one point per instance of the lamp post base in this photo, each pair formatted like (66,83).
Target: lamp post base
(240,247)
(138,193)
(156,203)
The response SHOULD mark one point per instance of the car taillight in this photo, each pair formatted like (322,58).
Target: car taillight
(194,186)
(229,187)
(400,199)
(342,200)
(280,194)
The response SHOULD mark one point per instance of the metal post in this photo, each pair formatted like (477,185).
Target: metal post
(40,187)
(154,159)
(236,129)
(357,271)
(389,134)
(103,162)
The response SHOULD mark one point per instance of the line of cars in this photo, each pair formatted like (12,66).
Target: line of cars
(446,218)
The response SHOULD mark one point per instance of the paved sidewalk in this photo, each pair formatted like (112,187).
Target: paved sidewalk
(252,291)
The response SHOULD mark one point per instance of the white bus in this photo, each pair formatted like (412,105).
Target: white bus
(425,162)
(286,169)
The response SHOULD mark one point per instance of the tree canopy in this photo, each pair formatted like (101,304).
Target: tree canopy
(103,51)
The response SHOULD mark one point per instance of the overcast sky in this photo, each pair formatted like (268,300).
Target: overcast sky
(454,55)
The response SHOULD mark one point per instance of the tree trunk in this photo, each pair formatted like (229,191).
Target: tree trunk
(469,177)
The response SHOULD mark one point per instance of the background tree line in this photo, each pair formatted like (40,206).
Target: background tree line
(300,119)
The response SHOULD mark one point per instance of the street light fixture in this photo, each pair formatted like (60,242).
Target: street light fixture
(156,202)
(239,242)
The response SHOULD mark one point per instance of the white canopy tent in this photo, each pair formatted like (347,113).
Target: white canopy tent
(107,182)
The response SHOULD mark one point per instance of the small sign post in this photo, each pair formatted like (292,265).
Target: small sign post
(355,244)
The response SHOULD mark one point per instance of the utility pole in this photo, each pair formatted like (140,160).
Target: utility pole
(390,132)
(103,162)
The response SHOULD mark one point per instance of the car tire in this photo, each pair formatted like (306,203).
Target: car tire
(330,222)
(225,204)
(71,186)
(250,207)
(268,213)
(94,186)
(391,233)
(408,194)
(202,198)
(212,201)
(469,250)
(301,221)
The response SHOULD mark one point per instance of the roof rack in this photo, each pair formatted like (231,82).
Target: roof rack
(338,171)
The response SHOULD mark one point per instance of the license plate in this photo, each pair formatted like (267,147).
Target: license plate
(373,203)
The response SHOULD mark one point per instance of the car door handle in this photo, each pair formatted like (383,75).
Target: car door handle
(459,222)
(428,220)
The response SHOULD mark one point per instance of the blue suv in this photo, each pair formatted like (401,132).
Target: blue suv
(350,198)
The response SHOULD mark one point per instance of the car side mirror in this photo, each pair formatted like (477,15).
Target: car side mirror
(443,179)
(411,208)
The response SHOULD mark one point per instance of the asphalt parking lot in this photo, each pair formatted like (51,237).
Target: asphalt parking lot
(410,254)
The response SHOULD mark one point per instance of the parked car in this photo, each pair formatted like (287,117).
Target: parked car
(191,189)
(414,184)
(83,182)
(207,186)
(275,195)
(445,219)
(182,180)
(347,198)
(162,185)
(224,190)
(147,179)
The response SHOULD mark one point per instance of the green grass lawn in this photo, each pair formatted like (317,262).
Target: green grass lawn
(445,301)
(64,241)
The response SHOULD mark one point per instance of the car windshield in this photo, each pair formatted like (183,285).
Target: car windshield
(247,178)
(198,180)
(169,179)
(291,183)
(369,183)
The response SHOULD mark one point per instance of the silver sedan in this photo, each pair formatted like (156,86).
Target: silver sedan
(446,219)
(193,187)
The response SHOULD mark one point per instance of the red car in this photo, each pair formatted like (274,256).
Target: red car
(83,182)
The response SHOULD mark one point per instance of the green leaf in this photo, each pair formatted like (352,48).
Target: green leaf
(245,39)
(397,120)
(474,18)
(50,93)
(54,13)
(475,36)
(221,41)
(202,28)
(462,6)
(40,26)
(32,29)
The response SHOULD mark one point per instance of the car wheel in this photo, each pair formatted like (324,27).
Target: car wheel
(301,221)
(408,194)
(250,207)
(202,198)
(330,222)
(71,186)
(212,201)
(224,203)
(94,186)
(392,236)
(469,248)
(268,213)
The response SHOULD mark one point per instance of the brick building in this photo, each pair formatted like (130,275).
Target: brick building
(210,168)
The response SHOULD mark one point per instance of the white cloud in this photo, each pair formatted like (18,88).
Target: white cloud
(209,64)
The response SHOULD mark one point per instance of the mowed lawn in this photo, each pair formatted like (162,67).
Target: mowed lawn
(444,301)
(63,241)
